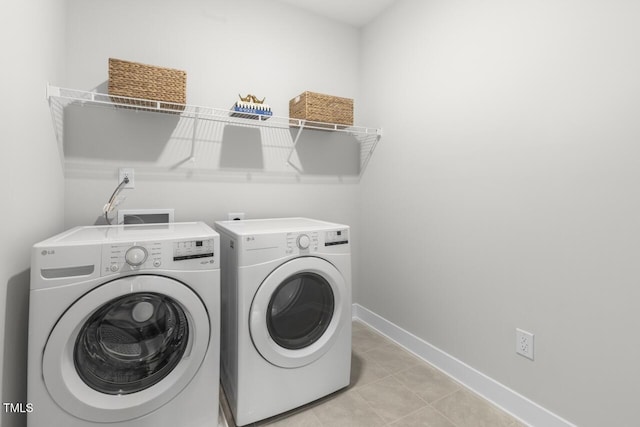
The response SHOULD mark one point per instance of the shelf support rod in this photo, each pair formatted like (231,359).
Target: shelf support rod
(301,124)
(192,156)
(365,162)
(57,118)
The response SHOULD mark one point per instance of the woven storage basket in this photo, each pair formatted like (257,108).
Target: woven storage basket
(318,107)
(135,80)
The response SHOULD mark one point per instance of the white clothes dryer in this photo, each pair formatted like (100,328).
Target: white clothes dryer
(286,314)
(124,327)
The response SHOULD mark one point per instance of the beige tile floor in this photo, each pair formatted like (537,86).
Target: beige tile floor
(391,387)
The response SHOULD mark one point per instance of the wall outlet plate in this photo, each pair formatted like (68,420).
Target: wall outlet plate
(524,343)
(129,173)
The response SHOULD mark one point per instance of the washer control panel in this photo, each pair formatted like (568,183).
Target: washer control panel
(302,242)
(308,242)
(178,255)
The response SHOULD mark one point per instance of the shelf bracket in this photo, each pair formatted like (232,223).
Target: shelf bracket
(192,155)
(300,125)
(196,117)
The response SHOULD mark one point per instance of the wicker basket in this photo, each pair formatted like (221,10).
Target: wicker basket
(318,107)
(135,80)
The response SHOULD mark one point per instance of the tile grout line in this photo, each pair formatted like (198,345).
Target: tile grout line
(384,423)
(388,373)
(411,391)
(419,409)
(407,415)
(430,405)
(387,343)
(442,413)
(316,417)
(407,389)
(366,401)
(445,396)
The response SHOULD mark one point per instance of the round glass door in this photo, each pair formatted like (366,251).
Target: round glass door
(300,310)
(126,348)
(131,343)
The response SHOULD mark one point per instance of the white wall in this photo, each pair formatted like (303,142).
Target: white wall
(227,48)
(509,174)
(504,192)
(32,202)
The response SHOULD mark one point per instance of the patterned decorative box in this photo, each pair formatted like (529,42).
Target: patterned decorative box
(251,110)
(135,80)
(318,107)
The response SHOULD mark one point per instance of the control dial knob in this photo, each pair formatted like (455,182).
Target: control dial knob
(135,256)
(303,241)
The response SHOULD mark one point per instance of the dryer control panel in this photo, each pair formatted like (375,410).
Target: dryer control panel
(193,254)
(312,241)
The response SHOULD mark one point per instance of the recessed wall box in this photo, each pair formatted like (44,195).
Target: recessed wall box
(145,216)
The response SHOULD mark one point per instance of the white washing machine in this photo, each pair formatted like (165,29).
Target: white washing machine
(124,327)
(286,314)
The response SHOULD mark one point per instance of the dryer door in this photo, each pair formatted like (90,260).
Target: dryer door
(298,311)
(126,348)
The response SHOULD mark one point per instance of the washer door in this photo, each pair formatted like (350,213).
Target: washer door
(126,348)
(297,312)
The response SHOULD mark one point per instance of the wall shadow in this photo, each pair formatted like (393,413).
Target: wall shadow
(327,153)
(16,333)
(117,134)
(241,148)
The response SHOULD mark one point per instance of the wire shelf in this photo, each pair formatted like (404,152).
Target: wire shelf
(59,98)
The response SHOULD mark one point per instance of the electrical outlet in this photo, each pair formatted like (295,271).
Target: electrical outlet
(129,173)
(235,216)
(524,343)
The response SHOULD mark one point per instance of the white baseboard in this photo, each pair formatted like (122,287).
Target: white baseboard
(508,400)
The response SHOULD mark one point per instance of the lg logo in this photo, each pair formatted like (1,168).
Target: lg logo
(47,252)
